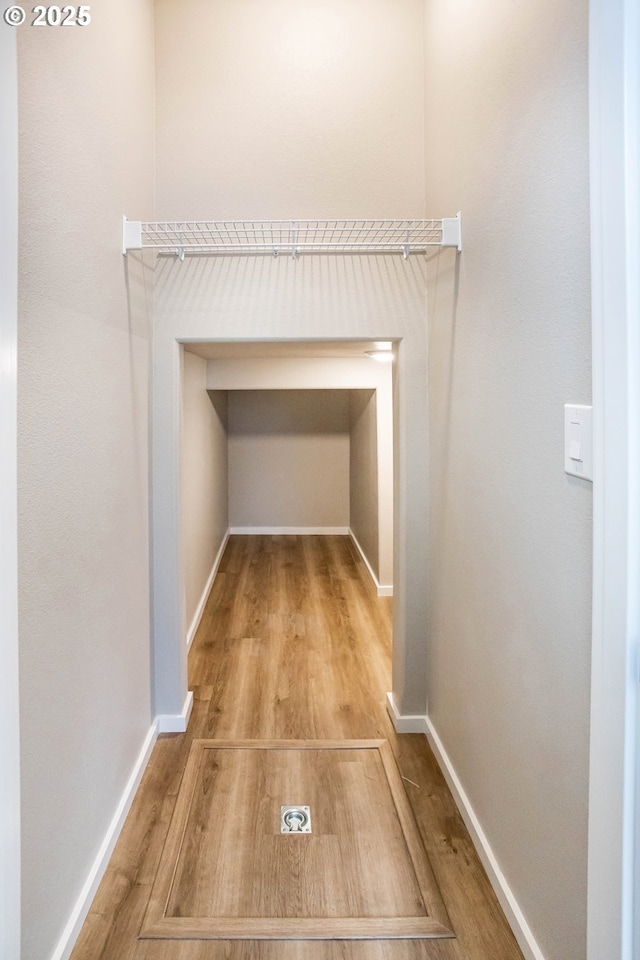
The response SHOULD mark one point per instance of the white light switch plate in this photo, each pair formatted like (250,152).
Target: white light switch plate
(578,441)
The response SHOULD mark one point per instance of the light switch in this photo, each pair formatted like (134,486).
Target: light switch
(574,431)
(578,459)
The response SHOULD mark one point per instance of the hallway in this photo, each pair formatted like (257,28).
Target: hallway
(293,644)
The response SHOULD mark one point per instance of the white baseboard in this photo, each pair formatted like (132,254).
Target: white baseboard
(176,722)
(504,893)
(382,589)
(165,723)
(385,590)
(411,723)
(70,933)
(197,617)
(291,531)
(515,917)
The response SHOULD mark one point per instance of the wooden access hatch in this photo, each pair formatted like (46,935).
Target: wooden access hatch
(228,872)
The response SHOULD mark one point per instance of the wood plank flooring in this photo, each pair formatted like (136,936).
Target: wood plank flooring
(293,644)
(228,872)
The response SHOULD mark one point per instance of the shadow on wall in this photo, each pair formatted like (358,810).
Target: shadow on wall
(138,281)
(267,296)
(443,291)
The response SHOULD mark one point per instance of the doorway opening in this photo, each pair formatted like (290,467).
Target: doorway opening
(286,438)
(406,475)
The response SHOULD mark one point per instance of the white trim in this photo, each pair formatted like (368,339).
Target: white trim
(9,686)
(176,722)
(384,589)
(290,531)
(418,723)
(165,723)
(410,723)
(79,913)
(197,617)
(614,127)
(503,891)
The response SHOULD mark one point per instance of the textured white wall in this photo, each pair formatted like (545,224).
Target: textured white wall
(363,472)
(86,95)
(204,496)
(289,458)
(289,109)
(509,344)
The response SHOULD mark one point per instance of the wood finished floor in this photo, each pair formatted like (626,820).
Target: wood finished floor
(228,872)
(293,644)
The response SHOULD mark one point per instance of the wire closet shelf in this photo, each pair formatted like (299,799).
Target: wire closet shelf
(293,237)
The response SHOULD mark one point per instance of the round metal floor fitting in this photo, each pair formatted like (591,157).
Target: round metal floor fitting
(295,819)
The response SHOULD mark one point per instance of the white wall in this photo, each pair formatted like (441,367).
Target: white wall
(86,96)
(288,109)
(9,712)
(363,473)
(204,496)
(292,110)
(321,373)
(614,763)
(509,344)
(330,373)
(289,458)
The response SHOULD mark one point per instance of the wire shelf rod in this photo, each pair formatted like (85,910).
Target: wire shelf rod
(291,236)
